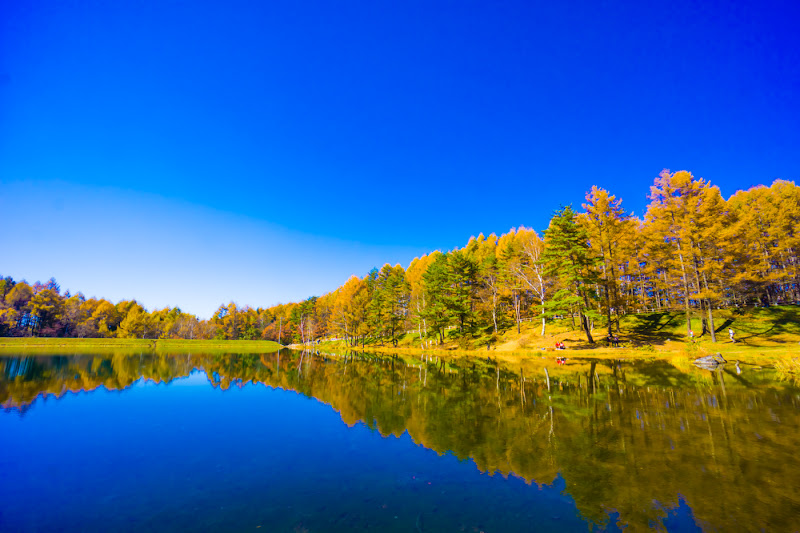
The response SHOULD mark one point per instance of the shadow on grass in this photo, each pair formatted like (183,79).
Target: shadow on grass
(649,329)
(766,324)
(779,321)
(724,326)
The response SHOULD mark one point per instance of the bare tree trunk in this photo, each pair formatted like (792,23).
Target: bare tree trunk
(703,301)
(585,319)
(685,289)
(544,325)
(710,314)
(608,296)
(494,308)
(616,298)
(585,326)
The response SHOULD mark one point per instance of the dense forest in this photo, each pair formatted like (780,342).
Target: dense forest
(692,251)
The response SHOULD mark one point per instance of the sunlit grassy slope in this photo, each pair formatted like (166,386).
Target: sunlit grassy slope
(758,331)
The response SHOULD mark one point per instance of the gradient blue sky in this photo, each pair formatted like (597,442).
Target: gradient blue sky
(192,153)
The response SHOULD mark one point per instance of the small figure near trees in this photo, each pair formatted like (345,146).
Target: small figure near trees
(691,335)
(731,334)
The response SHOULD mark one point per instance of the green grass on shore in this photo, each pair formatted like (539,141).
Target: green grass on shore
(9,345)
(762,333)
(771,333)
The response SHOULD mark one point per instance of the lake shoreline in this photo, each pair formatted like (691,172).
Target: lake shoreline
(760,333)
(677,349)
(8,345)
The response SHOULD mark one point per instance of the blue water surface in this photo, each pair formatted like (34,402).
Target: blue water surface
(188,456)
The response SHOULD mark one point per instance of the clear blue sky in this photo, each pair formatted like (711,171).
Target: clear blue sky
(192,153)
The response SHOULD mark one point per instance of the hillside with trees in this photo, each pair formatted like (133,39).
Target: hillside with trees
(693,252)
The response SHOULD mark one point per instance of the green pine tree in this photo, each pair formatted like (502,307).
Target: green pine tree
(436,285)
(567,257)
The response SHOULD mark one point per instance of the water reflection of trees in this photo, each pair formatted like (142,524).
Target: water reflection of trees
(626,437)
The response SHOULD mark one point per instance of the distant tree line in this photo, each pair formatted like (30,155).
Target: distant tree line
(692,251)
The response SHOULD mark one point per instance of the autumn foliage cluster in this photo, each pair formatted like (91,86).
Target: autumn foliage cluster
(693,251)
(42,310)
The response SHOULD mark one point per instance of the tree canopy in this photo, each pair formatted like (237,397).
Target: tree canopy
(692,250)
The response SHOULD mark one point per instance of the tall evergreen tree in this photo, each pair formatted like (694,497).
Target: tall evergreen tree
(463,284)
(568,257)
(390,301)
(436,283)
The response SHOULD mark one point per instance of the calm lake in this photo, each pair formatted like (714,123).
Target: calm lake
(299,442)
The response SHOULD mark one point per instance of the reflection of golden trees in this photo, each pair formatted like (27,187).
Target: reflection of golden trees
(630,437)
(25,379)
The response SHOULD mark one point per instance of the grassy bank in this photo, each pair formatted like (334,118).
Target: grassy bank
(771,333)
(9,345)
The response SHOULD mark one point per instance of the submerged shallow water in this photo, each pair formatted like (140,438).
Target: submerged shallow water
(312,442)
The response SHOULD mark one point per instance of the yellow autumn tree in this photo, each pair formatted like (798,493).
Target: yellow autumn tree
(606,224)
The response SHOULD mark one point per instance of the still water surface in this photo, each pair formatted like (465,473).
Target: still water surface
(312,442)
